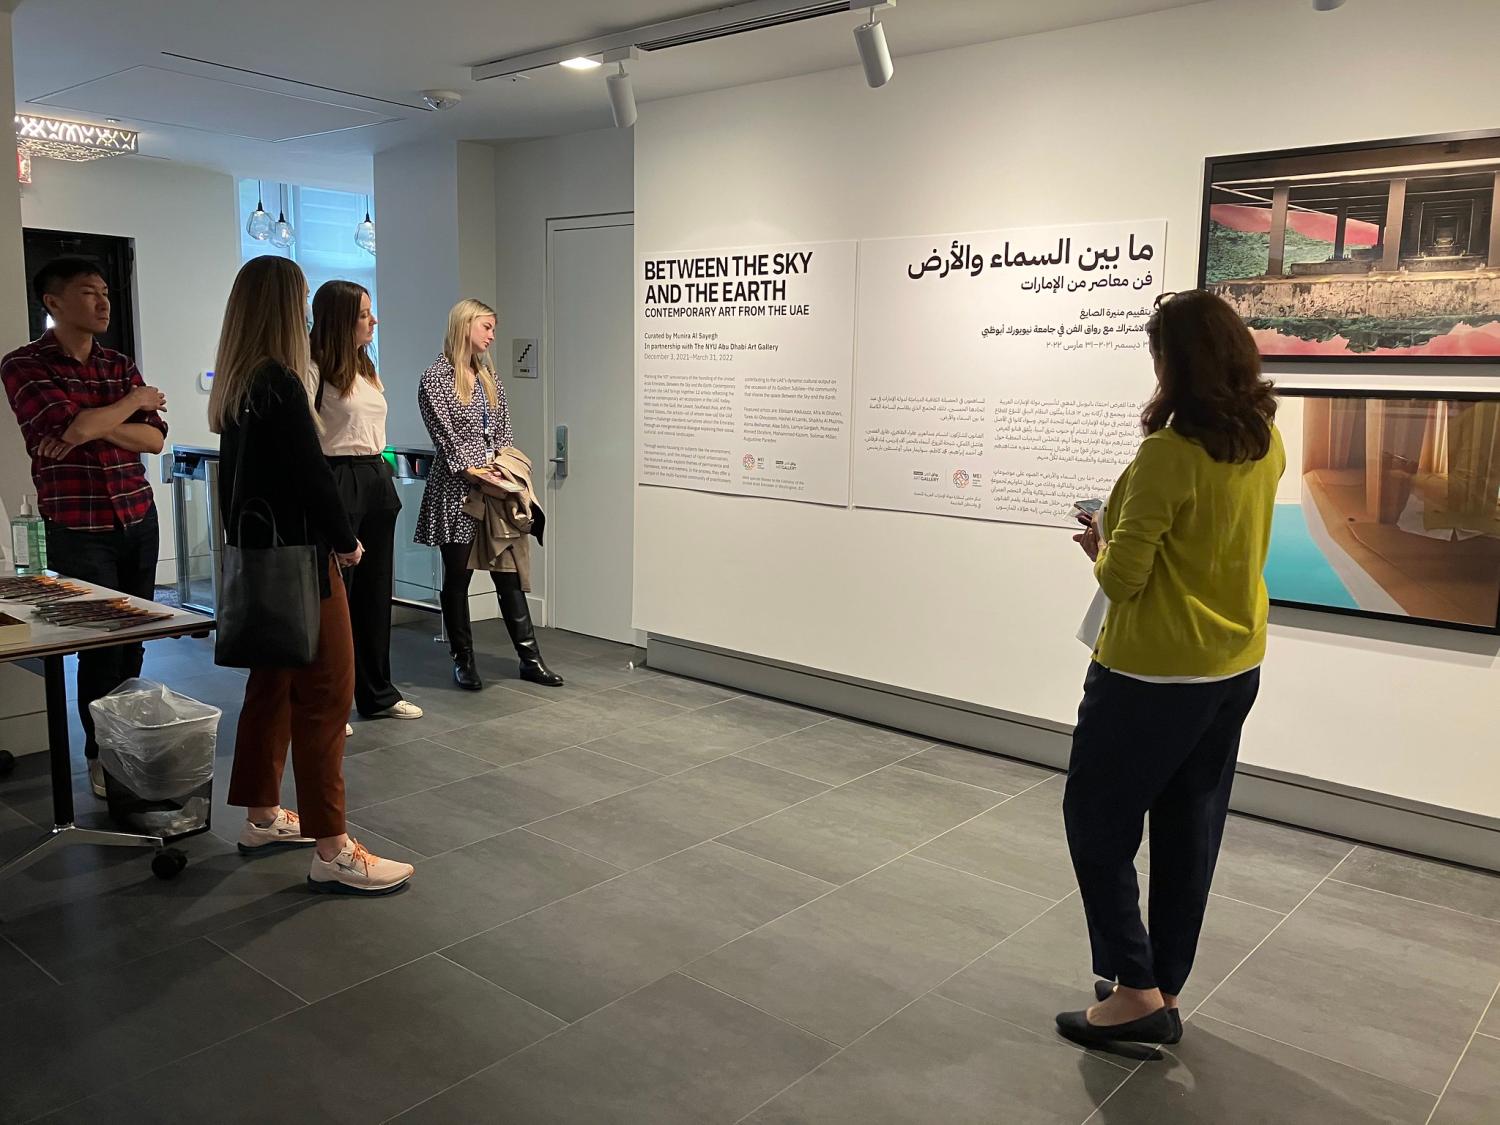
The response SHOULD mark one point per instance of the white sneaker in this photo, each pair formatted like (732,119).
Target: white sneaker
(283,832)
(96,778)
(348,730)
(403,709)
(355,871)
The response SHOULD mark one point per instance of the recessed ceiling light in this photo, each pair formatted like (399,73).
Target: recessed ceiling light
(580,63)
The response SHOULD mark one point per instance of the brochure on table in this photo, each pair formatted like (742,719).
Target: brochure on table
(744,370)
(1001,375)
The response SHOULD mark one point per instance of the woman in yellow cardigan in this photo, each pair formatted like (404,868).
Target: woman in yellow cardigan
(1178,552)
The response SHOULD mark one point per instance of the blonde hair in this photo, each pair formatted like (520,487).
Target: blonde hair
(265,320)
(467,363)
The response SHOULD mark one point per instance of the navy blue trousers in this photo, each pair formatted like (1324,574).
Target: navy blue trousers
(1163,752)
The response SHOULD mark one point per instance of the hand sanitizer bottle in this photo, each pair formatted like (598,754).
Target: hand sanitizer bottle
(28,540)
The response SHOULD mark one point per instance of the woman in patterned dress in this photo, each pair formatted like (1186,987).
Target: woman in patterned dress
(463,407)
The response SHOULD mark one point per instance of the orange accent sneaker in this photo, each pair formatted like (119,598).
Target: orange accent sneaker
(354,871)
(283,832)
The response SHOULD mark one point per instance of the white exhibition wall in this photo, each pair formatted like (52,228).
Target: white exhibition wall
(1092,124)
(555,178)
(185,230)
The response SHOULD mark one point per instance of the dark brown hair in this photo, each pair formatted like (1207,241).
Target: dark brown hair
(335,310)
(1210,386)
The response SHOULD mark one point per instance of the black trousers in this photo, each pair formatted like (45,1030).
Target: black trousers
(123,559)
(455,595)
(1167,752)
(368,491)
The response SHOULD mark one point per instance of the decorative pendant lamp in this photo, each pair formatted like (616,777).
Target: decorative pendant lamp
(364,233)
(282,234)
(258,225)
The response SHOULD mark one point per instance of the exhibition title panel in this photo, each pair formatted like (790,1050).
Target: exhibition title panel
(744,370)
(1001,375)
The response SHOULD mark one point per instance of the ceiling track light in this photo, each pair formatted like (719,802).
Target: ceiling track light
(1327,5)
(621,90)
(869,39)
(726,20)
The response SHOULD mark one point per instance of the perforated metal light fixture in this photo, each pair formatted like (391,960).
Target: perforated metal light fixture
(74,140)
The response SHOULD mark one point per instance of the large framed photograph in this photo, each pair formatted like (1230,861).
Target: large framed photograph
(1385,250)
(1390,506)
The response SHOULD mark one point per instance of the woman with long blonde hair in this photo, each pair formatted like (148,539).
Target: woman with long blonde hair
(270,458)
(463,406)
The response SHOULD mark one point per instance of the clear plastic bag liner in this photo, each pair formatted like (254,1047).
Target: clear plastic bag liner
(156,742)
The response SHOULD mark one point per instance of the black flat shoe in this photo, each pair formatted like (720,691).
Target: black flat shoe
(1154,1029)
(1104,989)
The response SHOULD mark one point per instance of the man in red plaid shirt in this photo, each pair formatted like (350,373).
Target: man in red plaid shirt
(87,417)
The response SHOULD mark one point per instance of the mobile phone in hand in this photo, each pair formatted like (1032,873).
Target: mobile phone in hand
(1087,510)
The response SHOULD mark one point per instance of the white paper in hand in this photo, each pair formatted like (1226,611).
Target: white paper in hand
(1093,620)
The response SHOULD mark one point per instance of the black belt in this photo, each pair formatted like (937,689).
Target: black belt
(359,459)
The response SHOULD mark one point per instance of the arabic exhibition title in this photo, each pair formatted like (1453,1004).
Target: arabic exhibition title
(963,259)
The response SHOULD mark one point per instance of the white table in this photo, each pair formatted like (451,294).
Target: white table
(50,644)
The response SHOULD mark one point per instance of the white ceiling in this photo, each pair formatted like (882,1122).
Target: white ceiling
(88,59)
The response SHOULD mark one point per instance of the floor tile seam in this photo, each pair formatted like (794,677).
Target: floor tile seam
(157,1069)
(908,852)
(976,816)
(500,769)
(701,707)
(1230,898)
(955,781)
(356,810)
(1055,1040)
(435,735)
(622,761)
(168,948)
(782,1020)
(1051,902)
(830,788)
(1452,1074)
(550,1035)
(1416,901)
(1306,1051)
(1487,1035)
(488,765)
(619,873)
(531,824)
(34,962)
(1268,936)
(292,992)
(501,988)
(871,1031)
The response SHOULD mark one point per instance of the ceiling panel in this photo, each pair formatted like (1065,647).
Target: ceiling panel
(167,97)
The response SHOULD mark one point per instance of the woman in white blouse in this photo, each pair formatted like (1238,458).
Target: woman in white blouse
(350,404)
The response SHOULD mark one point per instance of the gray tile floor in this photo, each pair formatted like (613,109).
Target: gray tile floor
(643,899)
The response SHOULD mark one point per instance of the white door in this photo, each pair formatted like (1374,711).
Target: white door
(591,376)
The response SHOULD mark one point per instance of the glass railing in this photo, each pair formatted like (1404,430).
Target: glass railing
(193,472)
(419,569)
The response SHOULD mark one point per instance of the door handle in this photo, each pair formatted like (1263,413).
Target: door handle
(560,461)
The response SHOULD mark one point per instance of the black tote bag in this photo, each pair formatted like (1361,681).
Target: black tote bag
(268,596)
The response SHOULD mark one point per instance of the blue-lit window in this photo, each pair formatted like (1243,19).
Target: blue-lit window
(324,221)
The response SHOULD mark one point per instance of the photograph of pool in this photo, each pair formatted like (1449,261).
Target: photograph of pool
(1390,506)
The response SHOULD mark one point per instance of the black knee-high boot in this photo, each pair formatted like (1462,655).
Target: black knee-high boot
(517,616)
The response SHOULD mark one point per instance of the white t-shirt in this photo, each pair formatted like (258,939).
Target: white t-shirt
(352,426)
